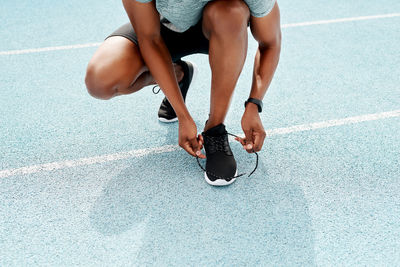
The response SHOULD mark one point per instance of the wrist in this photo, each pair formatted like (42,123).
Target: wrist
(184,115)
(251,107)
(180,109)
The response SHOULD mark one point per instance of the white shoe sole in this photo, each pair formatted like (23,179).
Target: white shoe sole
(219,182)
(164,120)
(195,70)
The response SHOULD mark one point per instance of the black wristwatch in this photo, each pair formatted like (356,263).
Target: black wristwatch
(258,102)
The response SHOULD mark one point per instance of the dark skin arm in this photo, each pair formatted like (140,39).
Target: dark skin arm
(266,30)
(146,22)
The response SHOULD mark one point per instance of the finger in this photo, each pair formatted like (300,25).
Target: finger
(247,147)
(200,154)
(240,140)
(249,144)
(200,137)
(258,141)
(196,148)
(186,146)
(200,140)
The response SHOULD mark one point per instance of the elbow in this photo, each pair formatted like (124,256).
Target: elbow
(279,39)
(149,38)
(273,44)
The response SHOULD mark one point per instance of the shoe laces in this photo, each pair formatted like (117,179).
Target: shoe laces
(219,143)
(156,89)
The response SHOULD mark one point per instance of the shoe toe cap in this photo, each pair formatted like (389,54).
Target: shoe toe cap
(221,166)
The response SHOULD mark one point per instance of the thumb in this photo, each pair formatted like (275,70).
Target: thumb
(249,140)
(196,148)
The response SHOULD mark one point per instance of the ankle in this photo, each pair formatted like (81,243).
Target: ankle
(178,72)
(211,123)
(148,78)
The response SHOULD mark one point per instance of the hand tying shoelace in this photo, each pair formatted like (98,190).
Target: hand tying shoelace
(219,145)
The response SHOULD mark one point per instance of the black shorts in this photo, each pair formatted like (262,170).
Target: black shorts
(179,44)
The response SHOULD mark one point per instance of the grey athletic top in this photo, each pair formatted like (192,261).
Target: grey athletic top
(180,15)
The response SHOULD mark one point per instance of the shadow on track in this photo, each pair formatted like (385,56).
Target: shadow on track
(254,221)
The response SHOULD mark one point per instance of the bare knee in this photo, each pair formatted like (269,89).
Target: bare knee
(114,68)
(228,18)
(99,81)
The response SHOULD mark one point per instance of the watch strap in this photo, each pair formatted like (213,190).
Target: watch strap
(258,102)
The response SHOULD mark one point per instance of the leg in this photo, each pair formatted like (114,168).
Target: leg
(117,68)
(225,25)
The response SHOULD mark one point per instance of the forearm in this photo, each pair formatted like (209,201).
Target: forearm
(146,22)
(158,61)
(265,64)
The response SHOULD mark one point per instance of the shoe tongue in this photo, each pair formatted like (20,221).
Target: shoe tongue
(216,130)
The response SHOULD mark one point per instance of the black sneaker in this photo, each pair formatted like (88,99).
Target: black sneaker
(166,113)
(220,164)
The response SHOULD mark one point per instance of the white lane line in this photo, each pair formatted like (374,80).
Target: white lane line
(169,148)
(46,49)
(289,25)
(331,123)
(87,161)
(330,21)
